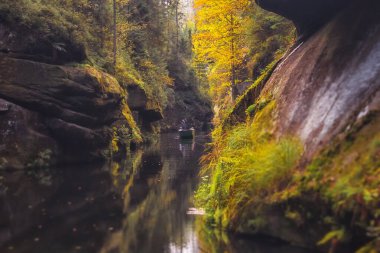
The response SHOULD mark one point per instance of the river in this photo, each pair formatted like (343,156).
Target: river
(141,205)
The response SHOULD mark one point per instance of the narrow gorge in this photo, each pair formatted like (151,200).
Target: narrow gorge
(281,97)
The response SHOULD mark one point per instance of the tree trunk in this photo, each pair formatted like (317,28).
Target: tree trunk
(234,90)
(177,26)
(114,34)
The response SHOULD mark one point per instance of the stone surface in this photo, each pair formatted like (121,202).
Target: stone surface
(307,15)
(322,85)
(68,111)
(190,106)
(22,136)
(146,112)
(324,88)
(137,98)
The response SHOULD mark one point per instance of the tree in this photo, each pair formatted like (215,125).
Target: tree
(220,40)
(114,32)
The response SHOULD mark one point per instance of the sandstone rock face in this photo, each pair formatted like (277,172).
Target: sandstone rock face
(145,111)
(327,83)
(185,102)
(187,105)
(22,135)
(307,15)
(327,93)
(137,99)
(65,111)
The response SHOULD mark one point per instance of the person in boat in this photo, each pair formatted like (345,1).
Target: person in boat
(184,125)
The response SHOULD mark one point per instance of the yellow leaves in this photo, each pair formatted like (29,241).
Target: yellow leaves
(332,236)
(122,2)
(136,134)
(108,82)
(221,39)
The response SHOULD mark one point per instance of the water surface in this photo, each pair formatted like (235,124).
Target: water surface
(140,205)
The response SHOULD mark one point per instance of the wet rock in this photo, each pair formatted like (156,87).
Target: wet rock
(4,106)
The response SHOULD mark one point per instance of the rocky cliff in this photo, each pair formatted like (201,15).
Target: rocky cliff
(326,92)
(58,114)
(186,101)
(55,109)
(329,82)
(307,15)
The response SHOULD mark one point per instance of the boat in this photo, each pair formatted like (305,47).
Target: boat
(186,133)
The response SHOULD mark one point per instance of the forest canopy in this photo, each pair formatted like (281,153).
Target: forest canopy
(134,40)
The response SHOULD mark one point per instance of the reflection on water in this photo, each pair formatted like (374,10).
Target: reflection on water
(157,198)
(141,205)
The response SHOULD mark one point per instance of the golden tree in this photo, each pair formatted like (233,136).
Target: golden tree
(221,41)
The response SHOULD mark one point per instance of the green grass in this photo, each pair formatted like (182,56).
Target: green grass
(248,166)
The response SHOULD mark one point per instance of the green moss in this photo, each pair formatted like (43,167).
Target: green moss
(347,174)
(265,74)
(124,132)
(136,133)
(252,109)
(346,177)
(54,23)
(246,104)
(41,161)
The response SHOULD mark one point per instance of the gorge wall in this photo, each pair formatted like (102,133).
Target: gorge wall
(58,114)
(330,81)
(324,93)
(53,110)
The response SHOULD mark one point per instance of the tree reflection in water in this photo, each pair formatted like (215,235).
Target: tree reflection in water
(156,201)
(139,205)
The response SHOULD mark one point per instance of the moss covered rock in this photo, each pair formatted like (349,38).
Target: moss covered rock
(68,110)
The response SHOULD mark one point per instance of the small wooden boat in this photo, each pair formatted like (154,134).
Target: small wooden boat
(186,133)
